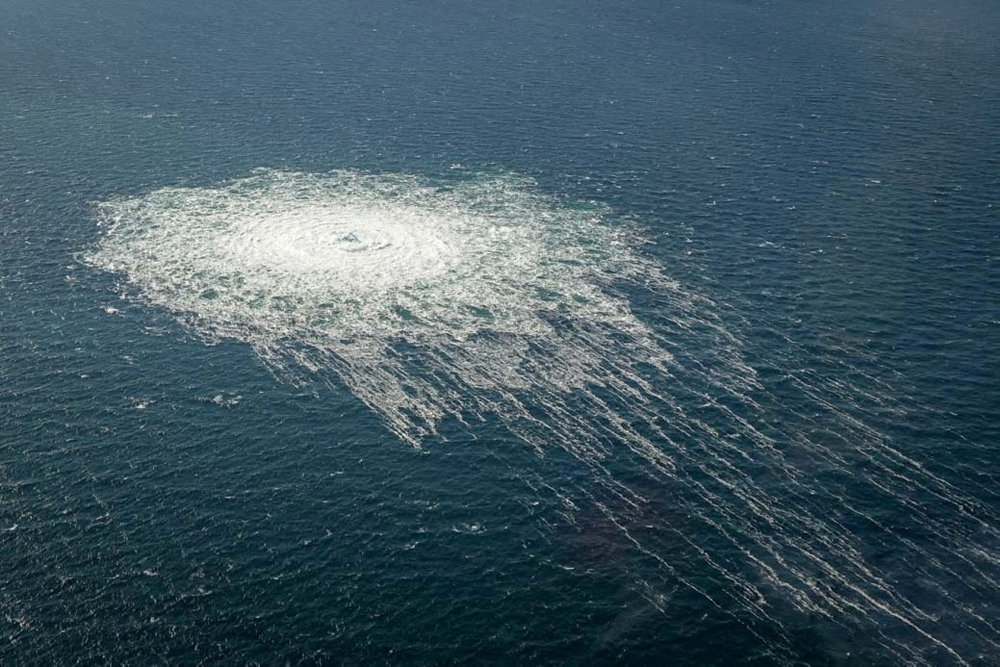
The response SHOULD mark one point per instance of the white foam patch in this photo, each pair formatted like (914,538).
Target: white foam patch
(334,270)
(482,299)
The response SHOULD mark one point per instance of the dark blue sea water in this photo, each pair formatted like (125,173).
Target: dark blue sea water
(810,478)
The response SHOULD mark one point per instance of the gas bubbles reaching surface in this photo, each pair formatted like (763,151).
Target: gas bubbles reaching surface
(481,299)
(334,271)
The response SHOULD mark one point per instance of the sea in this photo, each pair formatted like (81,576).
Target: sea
(508,332)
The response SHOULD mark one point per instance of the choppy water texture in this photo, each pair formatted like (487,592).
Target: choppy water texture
(499,333)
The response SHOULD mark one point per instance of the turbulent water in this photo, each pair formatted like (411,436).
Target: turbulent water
(480,298)
(335,271)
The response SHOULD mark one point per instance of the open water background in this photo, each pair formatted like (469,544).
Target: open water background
(828,172)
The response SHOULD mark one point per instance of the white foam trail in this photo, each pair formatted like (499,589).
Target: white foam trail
(482,299)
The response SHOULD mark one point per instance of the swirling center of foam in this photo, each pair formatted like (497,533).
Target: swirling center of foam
(352,250)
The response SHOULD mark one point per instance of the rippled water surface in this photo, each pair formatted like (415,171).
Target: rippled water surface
(511,332)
